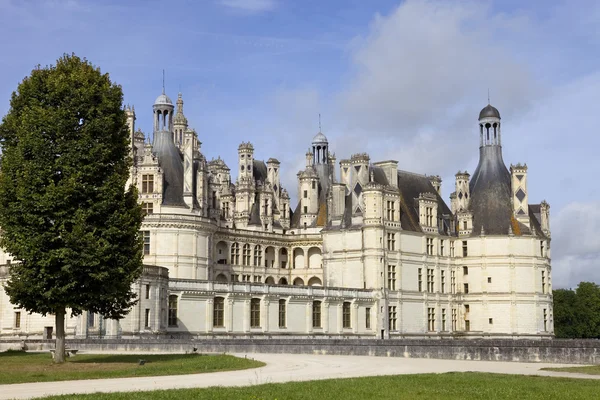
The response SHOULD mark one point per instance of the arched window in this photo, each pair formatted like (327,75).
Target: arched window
(172,310)
(258,256)
(235,254)
(246,254)
(219,312)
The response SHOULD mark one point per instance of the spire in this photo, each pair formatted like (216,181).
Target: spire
(489,96)
(163,92)
(179,118)
(320,122)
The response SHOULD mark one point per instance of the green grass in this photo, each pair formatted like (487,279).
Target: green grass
(590,369)
(20,367)
(451,386)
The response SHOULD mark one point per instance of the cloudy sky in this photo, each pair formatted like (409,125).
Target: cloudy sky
(401,80)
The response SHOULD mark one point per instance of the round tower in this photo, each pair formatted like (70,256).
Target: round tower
(489,126)
(163,113)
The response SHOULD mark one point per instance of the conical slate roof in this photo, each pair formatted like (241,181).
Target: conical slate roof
(171,163)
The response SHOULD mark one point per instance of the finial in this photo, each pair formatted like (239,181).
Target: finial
(319,122)
(163,82)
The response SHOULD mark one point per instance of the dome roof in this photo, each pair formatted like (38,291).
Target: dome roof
(163,99)
(319,138)
(489,111)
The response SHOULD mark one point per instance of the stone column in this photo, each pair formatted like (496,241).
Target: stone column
(246,323)
(229,315)
(209,315)
(354,317)
(309,326)
(265,315)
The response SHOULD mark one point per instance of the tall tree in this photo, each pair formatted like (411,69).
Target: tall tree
(65,214)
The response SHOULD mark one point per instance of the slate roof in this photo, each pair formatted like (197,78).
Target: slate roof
(259,170)
(171,163)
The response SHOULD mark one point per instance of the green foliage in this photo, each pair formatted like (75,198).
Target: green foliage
(20,367)
(448,386)
(577,312)
(65,213)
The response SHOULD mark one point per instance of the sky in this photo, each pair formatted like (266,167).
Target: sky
(402,80)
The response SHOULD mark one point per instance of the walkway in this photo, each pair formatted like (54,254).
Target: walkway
(281,368)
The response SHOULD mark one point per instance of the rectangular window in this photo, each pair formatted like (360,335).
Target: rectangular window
(429,216)
(465,270)
(544,282)
(452,248)
(316,314)
(465,225)
(430,283)
(443,281)
(282,313)
(452,282)
(441,247)
(218,312)
(490,321)
(464,247)
(18,319)
(305,210)
(306,194)
(91,319)
(545,320)
(255,313)
(443,319)
(368,318)
(147,292)
(467,308)
(314,184)
(257,278)
(146,236)
(147,208)
(420,280)
(467,325)
(147,319)
(392,277)
(148,183)
(391,210)
(541,248)
(454,319)
(392,318)
(431,319)
(172,310)
(429,246)
(346,319)
(489,279)
(466,288)
(391,241)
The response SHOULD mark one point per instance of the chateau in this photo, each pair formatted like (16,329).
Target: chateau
(368,250)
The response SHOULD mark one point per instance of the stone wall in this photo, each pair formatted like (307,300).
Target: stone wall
(553,351)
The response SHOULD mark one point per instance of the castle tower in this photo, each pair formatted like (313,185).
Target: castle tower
(130,112)
(462,190)
(245,185)
(163,113)
(180,124)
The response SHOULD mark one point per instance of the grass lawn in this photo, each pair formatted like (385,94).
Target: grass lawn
(453,386)
(590,369)
(20,367)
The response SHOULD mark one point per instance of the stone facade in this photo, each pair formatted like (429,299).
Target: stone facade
(375,254)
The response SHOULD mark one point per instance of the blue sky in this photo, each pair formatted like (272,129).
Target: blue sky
(397,79)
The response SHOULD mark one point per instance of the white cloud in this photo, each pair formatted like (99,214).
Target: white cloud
(253,6)
(576,228)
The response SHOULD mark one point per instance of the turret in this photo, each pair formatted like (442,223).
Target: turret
(545,217)
(180,124)
(462,190)
(520,199)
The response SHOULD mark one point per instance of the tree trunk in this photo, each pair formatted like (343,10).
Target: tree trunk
(59,351)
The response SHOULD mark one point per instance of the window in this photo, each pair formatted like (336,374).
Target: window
(465,225)
(146,319)
(391,241)
(429,216)
(255,313)
(147,208)
(454,319)
(441,247)
(392,318)
(544,282)
(346,319)
(257,255)
(314,184)
(430,246)
(452,282)
(368,318)
(443,282)
(146,236)
(431,319)
(430,288)
(316,314)
(282,313)
(246,254)
(545,320)
(392,277)
(226,209)
(541,248)
(306,194)
(391,210)
(464,247)
(465,270)
(490,321)
(467,308)
(443,319)
(452,248)
(257,278)
(246,278)
(467,325)
(148,183)
(235,278)
(173,310)
(420,280)
(218,312)
(305,211)
(18,319)
(466,287)
(235,254)
(214,199)
(147,292)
